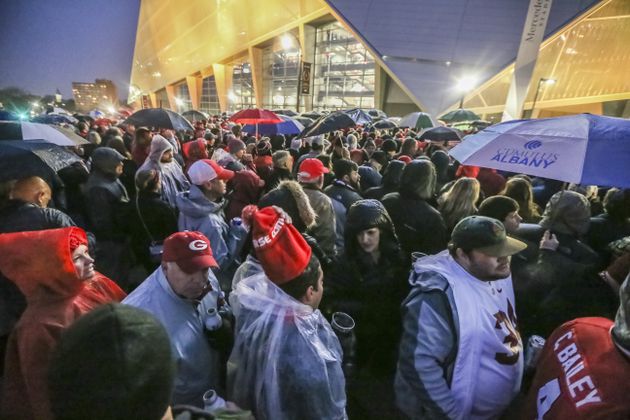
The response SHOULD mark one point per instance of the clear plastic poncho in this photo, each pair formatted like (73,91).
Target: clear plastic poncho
(286,361)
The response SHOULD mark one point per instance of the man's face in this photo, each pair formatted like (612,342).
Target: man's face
(167,156)
(370,148)
(188,286)
(316,297)
(218,186)
(369,239)
(119,169)
(239,154)
(290,163)
(512,222)
(83,263)
(354,179)
(484,267)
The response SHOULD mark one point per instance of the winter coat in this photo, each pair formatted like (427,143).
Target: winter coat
(40,263)
(197,213)
(390,181)
(325,227)
(246,190)
(197,363)
(286,360)
(107,205)
(277,175)
(18,216)
(342,196)
(171,175)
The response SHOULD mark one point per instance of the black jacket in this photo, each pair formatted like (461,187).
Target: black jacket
(419,226)
(17,216)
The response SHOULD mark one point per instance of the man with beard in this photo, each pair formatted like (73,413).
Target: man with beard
(460,356)
(343,192)
(171,174)
(182,294)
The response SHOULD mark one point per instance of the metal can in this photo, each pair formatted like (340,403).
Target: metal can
(534,347)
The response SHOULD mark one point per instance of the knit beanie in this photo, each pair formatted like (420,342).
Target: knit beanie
(112,363)
(235,146)
(498,207)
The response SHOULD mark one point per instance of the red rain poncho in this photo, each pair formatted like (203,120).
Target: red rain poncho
(40,264)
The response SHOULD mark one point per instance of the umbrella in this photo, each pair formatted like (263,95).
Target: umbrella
(288,126)
(417,121)
(194,115)
(336,121)
(14,130)
(385,124)
(32,158)
(159,118)
(441,134)
(584,149)
(54,119)
(103,121)
(255,116)
(305,121)
(287,112)
(459,115)
(96,114)
(312,115)
(8,116)
(84,117)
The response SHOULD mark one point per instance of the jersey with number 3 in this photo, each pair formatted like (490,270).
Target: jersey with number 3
(580,375)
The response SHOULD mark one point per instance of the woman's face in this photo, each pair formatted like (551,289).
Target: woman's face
(83,263)
(369,239)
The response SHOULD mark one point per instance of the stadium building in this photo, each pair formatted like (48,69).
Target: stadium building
(398,56)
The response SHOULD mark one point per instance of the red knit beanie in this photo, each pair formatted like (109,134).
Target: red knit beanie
(280,248)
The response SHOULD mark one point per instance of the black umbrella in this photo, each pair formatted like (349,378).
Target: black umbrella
(305,121)
(194,115)
(83,117)
(159,118)
(336,121)
(441,134)
(312,115)
(384,124)
(19,159)
(8,116)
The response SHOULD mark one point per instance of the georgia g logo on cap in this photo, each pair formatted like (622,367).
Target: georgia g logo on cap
(197,245)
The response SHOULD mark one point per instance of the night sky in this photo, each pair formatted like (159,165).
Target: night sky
(48,44)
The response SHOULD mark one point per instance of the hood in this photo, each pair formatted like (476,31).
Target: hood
(621,329)
(393,174)
(106,160)
(567,212)
(40,262)
(424,270)
(195,150)
(418,179)
(290,196)
(159,145)
(246,185)
(367,214)
(441,161)
(194,204)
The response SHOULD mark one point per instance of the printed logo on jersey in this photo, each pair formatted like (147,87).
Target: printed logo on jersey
(507,323)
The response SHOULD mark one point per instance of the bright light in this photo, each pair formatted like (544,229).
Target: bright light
(23,116)
(287,42)
(111,109)
(232,97)
(466,83)
(35,104)
(550,81)
(179,102)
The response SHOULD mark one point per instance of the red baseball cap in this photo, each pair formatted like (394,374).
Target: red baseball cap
(311,169)
(283,253)
(190,250)
(206,170)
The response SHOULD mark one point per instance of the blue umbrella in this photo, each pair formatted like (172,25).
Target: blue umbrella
(8,116)
(583,149)
(288,126)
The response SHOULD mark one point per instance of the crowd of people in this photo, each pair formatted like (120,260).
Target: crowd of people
(358,274)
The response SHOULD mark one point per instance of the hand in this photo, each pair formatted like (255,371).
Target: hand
(549,241)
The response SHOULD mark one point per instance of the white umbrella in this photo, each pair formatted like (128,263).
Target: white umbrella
(418,120)
(27,131)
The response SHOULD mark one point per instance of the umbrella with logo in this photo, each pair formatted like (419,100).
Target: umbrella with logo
(459,115)
(20,158)
(418,121)
(288,126)
(27,131)
(159,118)
(584,149)
(337,120)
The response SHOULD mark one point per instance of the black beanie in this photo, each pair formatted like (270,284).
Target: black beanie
(389,146)
(498,207)
(113,363)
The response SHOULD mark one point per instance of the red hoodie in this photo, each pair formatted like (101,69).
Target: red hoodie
(40,264)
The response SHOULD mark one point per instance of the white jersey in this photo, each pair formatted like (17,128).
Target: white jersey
(489,363)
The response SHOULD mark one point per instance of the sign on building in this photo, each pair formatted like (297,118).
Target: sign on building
(305,78)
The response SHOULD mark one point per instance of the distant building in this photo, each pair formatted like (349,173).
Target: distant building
(101,94)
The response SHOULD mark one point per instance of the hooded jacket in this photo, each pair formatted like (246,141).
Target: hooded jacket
(173,179)
(197,213)
(390,181)
(246,190)
(286,361)
(40,264)
(419,226)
